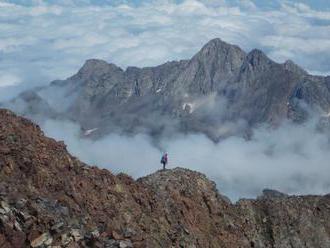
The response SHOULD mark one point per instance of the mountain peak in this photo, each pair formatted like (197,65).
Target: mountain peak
(96,67)
(271,194)
(293,67)
(257,54)
(218,46)
(216,42)
(95,62)
(184,180)
(257,58)
(176,174)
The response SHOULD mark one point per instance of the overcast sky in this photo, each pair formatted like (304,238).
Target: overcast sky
(45,40)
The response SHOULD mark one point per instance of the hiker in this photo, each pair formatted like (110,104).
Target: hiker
(164,160)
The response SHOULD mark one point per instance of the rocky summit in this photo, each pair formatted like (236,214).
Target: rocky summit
(49,198)
(221,91)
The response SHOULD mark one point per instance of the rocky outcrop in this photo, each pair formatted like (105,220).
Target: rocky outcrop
(221,84)
(49,198)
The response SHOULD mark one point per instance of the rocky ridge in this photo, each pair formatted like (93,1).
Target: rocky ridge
(221,91)
(49,198)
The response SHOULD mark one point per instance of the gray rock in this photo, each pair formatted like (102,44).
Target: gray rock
(20,203)
(76,234)
(57,227)
(270,194)
(221,91)
(43,239)
(66,239)
(5,209)
(95,234)
(128,232)
(125,244)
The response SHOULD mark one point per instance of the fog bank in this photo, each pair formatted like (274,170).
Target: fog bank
(292,159)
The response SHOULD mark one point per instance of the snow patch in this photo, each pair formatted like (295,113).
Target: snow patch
(188,107)
(90,131)
(129,93)
(326,115)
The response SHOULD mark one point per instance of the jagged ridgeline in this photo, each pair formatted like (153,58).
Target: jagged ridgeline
(48,198)
(221,91)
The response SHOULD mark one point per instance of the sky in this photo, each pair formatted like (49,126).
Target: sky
(41,41)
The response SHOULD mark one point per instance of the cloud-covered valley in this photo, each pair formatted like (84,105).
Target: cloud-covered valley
(293,159)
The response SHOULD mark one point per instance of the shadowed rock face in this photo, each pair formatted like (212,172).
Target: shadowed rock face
(221,84)
(49,198)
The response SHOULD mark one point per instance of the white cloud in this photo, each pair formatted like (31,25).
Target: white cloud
(45,10)
(295,165)
(53,40)
(8,79)
(248,4)
(133,155)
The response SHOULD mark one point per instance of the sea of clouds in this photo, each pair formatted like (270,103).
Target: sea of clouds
(292,158)
(45,40)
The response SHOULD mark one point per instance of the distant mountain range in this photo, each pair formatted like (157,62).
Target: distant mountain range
(221,91)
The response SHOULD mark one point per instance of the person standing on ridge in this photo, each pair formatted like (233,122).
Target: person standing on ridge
(164,160)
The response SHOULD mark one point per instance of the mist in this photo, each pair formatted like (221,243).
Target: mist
(293,159)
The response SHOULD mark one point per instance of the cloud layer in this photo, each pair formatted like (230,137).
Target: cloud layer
(293,159)
(41,42)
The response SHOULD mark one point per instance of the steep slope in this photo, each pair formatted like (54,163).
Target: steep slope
(210,68)
(50,198)
(262,89)
(221,91)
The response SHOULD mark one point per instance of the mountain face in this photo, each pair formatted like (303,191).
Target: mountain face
(220,91)
(48,198)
